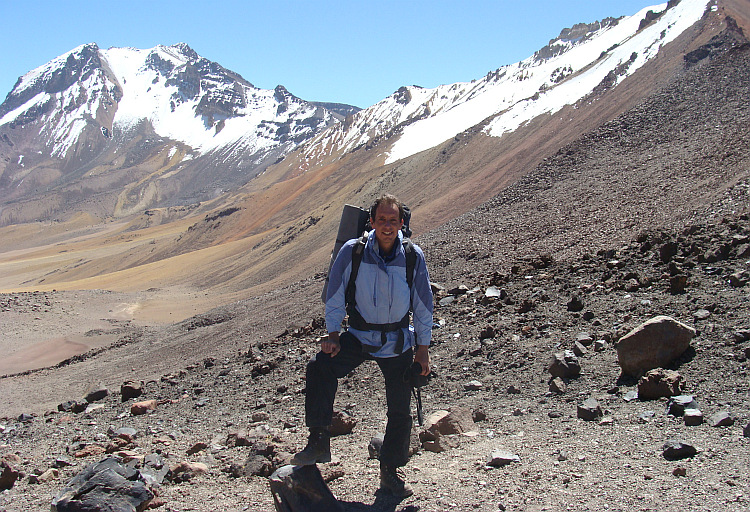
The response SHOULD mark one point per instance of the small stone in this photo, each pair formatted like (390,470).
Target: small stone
(679,471)
(127,433)
(589,410)
(473,385)
(96,394)
(197,447)
(645,416)
(500,458)
(693,417)
(701,314)
(376,444)
(584,339)
(675,450)
(47,476)
(575,304)
(677,404)
(140,408)
(659,383)
(259,416)
(579,349)
(721,419)
(130,389)
(557,385)
(9,474)
(565,365)
(630,395)
(342,423)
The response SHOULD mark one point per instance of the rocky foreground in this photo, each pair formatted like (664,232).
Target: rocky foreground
(538,414)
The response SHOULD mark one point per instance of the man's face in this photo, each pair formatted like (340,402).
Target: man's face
(386,224)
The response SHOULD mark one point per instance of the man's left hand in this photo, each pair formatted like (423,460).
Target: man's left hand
(422,356)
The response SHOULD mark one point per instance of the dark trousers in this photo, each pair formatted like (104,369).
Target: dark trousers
(323,372)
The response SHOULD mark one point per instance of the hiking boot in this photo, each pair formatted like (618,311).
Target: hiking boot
(318,448)
(391,479)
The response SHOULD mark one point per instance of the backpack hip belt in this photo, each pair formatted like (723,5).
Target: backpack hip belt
(357,322)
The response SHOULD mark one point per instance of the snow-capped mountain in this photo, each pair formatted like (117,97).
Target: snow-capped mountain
(76,112)
(183,96)
(580,62)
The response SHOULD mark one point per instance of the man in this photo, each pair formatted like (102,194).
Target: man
(379,330)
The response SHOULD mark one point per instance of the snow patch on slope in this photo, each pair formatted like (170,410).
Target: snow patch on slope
(518,93)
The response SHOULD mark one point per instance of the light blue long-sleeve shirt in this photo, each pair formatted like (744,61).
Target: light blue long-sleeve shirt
(382,295)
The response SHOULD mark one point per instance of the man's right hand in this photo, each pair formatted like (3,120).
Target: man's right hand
(331,345)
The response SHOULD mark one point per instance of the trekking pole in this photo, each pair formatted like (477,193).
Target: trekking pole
(417,392)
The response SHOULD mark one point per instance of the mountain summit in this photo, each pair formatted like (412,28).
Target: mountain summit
(85,109)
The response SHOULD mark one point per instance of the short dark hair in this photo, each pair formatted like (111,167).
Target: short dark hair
(387,199)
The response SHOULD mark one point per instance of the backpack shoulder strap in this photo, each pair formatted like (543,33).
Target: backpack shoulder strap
(411,261)
(357,251)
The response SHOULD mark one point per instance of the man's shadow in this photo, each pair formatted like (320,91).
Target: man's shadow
(384,502)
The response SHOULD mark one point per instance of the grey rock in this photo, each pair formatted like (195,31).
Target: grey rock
(106,485)
(585,339)
(701,314)
(579,349)
(473,385)
(676,450)
(72,406)
(495,292)
(125,433)
(376,444)
(693,417)
(653,344)
(630,395)
(557,385)
(721,419)
(590,410)
(500,458)
(646,416)
(565,365)
(677,405)
(96,394)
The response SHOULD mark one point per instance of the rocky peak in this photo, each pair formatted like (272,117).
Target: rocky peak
(572,36)
(186,50)
(54,77)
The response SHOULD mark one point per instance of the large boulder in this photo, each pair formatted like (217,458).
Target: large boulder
(653,344)
(106,485)
(658,383)
(302,489)
(459,420)
(9,474)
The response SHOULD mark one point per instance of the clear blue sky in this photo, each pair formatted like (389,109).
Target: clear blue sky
(355,52)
